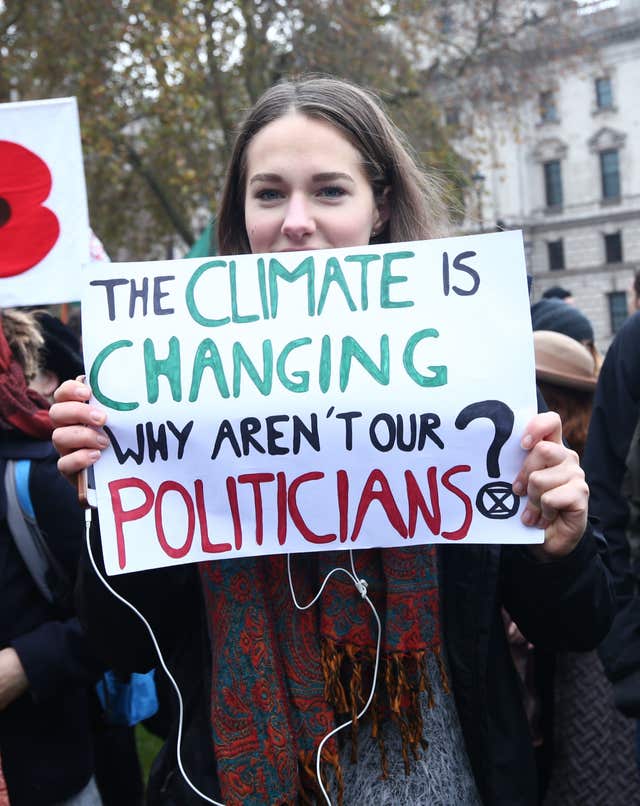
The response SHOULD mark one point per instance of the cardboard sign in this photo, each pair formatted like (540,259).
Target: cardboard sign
(307,401)
(44,223)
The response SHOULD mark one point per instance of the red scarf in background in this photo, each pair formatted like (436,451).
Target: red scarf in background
(282,679)
(21,409)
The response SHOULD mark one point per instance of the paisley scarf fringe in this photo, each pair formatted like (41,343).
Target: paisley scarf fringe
(281,679)
(309,792)
(348,673)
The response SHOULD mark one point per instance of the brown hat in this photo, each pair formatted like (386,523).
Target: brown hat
(563,360)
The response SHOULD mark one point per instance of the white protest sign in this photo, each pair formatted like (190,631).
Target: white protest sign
(308,401)
(44,223)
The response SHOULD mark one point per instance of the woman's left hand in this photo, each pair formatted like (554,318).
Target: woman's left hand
(554,482)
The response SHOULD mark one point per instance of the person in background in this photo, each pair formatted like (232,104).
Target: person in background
(634,294)
(560,293)
(590,752)
(74,323)
(566,373)
(117,766)
(610,442)
(553,314)
(60,357)
(631,480)
(46,668)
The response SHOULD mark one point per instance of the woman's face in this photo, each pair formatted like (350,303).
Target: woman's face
(307,189)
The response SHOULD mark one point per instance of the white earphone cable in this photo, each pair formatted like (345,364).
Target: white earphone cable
(160,658)
(361,587)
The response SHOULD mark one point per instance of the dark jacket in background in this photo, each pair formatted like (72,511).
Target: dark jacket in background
(615,416)
(45,736)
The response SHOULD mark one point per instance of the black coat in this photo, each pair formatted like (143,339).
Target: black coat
(45,741)
(566,604)
(615,416)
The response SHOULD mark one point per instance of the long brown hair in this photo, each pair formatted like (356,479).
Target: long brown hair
(24,338)
(574,407)
(417,210)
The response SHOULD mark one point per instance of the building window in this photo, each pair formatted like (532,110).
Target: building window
(446,23)
(618,310)
(555,251)
(452,116)
(548,108)
(553,183)
(610,173)
(613,247)
(604,93)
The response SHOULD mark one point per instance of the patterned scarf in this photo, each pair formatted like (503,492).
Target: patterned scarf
(21,408)
(282,679)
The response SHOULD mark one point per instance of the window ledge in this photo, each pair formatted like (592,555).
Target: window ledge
(603,110)
(550,122)
(610,202)
(554,209)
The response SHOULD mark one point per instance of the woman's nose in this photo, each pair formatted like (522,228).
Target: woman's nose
(298,220)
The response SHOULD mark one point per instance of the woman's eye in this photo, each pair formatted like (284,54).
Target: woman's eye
(268,194)
(332,192)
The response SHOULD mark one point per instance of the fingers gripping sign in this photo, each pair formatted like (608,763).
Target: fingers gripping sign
(78,435)
(554,482)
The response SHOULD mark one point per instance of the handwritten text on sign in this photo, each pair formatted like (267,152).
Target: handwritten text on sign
(307,401)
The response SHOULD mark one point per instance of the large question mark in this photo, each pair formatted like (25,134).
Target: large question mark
(496,499)
(502,418)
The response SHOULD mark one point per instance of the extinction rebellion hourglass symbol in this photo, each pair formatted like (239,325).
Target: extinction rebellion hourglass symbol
(28,231)
(495,500)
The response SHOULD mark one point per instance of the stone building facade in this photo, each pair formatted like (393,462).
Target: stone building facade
(564,166)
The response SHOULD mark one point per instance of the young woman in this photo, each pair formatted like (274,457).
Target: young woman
(318,164)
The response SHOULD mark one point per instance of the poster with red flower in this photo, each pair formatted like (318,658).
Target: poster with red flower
(44,222)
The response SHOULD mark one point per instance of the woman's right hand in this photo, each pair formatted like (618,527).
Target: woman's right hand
(78,435)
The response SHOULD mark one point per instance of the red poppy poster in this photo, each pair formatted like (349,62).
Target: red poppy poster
(44,223)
